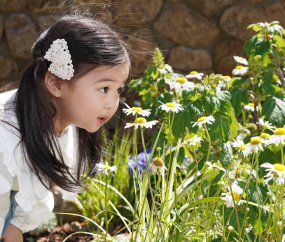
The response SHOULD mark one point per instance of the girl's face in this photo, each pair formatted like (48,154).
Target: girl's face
(93,100)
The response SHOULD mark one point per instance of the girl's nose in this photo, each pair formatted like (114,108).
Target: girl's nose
(112,102)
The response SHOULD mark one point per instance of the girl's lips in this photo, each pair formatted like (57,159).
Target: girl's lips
(101,120)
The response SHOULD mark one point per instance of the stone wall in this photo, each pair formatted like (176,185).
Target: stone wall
(200,35)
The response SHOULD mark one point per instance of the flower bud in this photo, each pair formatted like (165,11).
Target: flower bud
(230,228)
(158,162)
(257,57)
(158,148)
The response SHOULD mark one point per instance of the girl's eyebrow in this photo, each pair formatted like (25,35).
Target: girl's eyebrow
(107,80)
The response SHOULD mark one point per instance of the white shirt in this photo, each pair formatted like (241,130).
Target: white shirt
(35,202)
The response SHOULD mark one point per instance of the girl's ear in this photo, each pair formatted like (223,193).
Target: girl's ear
(53,84)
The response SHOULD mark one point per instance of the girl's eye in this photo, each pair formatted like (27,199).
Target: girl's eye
(120,90)
(104,89)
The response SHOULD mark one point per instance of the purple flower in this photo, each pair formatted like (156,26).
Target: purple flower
(141,161)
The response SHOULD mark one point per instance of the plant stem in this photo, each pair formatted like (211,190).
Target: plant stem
(106,203)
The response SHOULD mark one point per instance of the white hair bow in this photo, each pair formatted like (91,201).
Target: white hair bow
(58,54)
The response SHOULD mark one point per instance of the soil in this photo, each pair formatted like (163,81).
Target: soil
(57,234)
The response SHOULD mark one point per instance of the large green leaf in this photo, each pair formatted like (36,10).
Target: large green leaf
(279,41)
(249,45)
(186,118)
(220,129)
(274,111)
(262,48)
(238,96)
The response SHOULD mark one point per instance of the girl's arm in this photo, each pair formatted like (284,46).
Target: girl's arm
(27,221)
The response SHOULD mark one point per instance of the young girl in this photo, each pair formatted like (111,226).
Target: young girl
(50,126)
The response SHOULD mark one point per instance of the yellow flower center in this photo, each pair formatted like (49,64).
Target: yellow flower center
(255,141)
(236,196)
(264,135)
(242,147)
(201,119)
(192,139)
(193,72)
(138,109)
(279,131)
(260,80)
(140,120)
(279,167)
(251,104)
(275,79)
(239,67)
(227,77)
(158,162)
(106,167)
(240,58)
(171,105)
(181,80)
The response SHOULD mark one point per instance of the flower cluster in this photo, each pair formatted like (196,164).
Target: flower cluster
(240,69)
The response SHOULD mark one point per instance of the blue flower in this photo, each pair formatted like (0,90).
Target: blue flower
(141,161)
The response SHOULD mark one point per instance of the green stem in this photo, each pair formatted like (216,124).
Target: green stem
(209,140)
(257,193)
(106,203)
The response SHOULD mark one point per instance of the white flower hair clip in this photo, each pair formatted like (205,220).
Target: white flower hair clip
(61,65)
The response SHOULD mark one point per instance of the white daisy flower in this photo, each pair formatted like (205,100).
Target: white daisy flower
(227,78)
(276,171)
(240,60)
(210,166)
(250,107)
(105,168)
(266,124)
(265,138)
(237,191)
(142,123)
(195,74)
(241,147)
(135,110)
(240,70)
(255,144)
(193,140)
(173,107)
(278,137)
(158,163)
(204,120)
(181,84)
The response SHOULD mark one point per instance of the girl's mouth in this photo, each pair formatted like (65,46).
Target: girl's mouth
(101,120)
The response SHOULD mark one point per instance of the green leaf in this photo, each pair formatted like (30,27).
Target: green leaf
(249,45)
(186,118)
(210,102)
(266,156)
(161,82)
(274,111)
(152,71)
(223,95)
(234,125)
(134,83)
(268,88)
(147,99)
(239,96)
(279,41)
(237,81)
(262,48)
(225,158)
(220,129)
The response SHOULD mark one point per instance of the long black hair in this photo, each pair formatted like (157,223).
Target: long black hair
(91,43)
